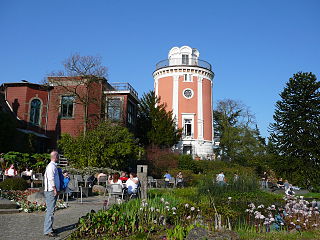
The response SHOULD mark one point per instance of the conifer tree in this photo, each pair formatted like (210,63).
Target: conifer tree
(156,125)
(295,134)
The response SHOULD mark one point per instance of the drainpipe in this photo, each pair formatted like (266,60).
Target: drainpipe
(48,100)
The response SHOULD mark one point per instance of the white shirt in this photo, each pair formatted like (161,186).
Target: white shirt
(51,177)
(131,185)
(220,177)
(118,182)
(10,172)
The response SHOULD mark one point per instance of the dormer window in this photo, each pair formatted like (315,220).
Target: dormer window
(185,59)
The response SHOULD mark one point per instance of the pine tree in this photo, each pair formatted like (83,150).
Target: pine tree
(295,134)
(156,125)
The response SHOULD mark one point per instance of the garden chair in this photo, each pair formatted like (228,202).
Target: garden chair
(37,179)
(75,189)
(102,180)
(172,182)
(137,194)
(152,182)
(79,179)
(115,190)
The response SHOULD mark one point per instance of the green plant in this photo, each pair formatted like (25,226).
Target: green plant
(15,183)
(179,232)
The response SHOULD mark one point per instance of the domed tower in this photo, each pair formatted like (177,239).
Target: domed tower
(184,83)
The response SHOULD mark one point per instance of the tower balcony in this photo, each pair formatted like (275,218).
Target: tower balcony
(192,62)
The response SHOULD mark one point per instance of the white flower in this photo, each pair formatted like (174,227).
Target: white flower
(162,199)
(141,209)
(158,210)
(301,197)
(166,203)
(188,217)
(152,209)
(272,219)
(192,208)
(282,224)
(174,213)
(186,205)
(261,217)
(229,198)
(273,206)
(155,221)
(173,208)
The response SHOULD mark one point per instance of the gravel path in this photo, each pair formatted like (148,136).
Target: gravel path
(30,225)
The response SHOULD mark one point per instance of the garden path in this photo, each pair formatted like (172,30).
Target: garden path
(30,225)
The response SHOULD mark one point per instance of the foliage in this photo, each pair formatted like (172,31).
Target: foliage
(139,216)
(295,136)
(15,183)
(35,161)
(160,160)
(156,125)
(239,137)
(243,184)
(108,145)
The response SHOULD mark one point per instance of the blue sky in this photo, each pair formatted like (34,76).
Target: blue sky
(254,46)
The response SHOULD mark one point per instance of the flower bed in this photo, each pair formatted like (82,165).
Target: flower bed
(151,216)
(20,197)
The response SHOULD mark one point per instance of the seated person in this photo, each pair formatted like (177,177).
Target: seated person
(289,191)
(132,183)
(115,179)
(167,178)
(280,183)
(179,180)
(26,175)
(66,180)
(286,184)
(11,171)
(123,177)
(101,175)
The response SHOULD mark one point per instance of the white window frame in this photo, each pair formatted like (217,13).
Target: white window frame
(191,117)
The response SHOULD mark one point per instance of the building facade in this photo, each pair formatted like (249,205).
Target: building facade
(47,111)
(184,83)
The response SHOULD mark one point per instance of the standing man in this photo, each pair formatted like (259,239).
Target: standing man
(51,189)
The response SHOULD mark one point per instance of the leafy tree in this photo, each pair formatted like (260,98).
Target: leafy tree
(295,133)
(108,145)
(156,126)
(239,137)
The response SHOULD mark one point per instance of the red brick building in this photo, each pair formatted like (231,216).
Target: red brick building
(69,105)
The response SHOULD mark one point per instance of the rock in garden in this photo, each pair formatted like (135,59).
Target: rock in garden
(197,233)
(200,233)
(98,189)
(37,197)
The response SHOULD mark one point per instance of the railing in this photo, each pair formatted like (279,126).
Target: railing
(183,62)
(124,87)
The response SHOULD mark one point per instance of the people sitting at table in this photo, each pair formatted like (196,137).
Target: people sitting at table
(11,171)
(132,183)
(286,184)
(27,174)
(280,183)
(167,178)
(124,177)
(179,180)
(115,179)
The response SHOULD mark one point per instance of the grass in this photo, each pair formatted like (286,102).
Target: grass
(311,195)
(312,235)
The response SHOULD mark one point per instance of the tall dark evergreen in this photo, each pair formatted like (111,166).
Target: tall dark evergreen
(295,133)
(156,125)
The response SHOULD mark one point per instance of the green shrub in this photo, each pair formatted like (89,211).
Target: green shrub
(15,183)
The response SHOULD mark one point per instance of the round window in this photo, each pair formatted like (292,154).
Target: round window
(188,93)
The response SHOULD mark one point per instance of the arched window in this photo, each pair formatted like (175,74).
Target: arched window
(35,111)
